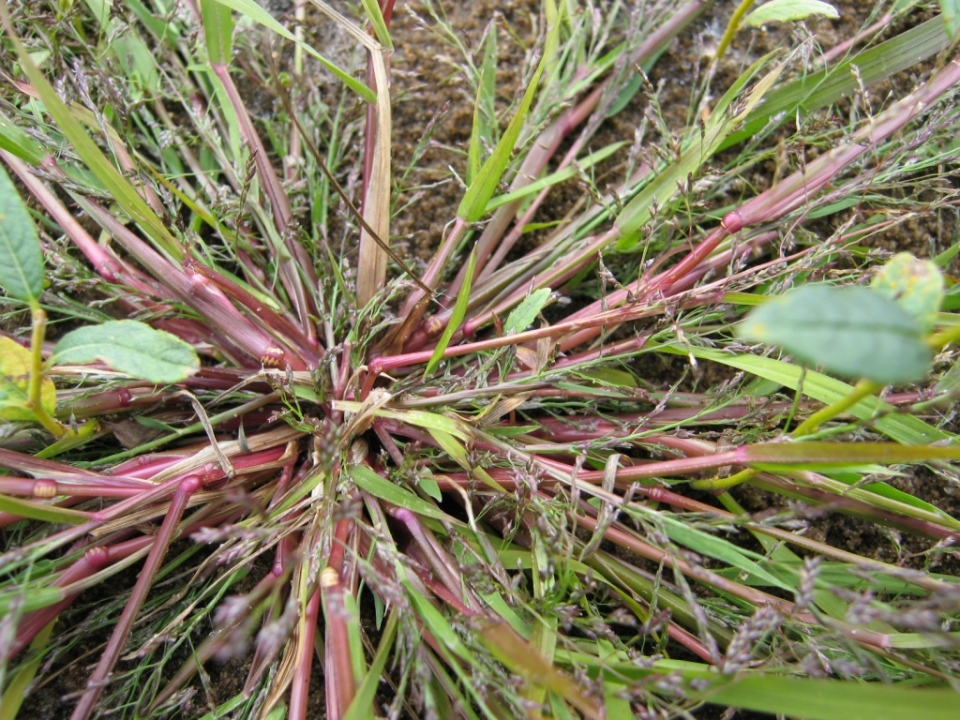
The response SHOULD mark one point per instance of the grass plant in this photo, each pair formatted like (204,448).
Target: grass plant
(388,485)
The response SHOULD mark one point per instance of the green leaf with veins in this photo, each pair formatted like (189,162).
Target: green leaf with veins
(130,347)
(21,260)
(854,332)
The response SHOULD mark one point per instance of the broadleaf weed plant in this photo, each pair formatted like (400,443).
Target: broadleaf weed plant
(448,485)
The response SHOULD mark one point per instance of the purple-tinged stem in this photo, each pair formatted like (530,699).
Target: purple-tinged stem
(450,577)
(437,265)
(93,561)
(200,294)
(100,676)
(631,542)
(103,261)
(46,488)
(290,268)
(274,323)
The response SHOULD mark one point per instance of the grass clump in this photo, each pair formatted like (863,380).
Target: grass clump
(444,486)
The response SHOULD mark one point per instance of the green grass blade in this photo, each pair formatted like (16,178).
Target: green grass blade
(484,116)
(698,150)
(905,429)
(474,203)
(378,486)
(570,171)
(378,23)
(820,89)
(16,690)
(366,693)
(16,142)
(37,511)
(217,31)
(122,191)
(836,700)
(250,9)
(456,317)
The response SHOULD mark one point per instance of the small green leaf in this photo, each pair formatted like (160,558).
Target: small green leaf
(431,487)
(854,332)
(950,10)
(915,285)
(21,261)
(15,384)
(526,312)
(789,11)
(130,347)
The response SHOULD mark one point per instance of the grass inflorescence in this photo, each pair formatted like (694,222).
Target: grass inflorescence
(547,469)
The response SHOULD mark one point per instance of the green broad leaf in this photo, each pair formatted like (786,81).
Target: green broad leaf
(21,260)
(526,312)
(15,363)
(217,31)
(789,11)
(834,699)
(130,347)
(854,332)
(456,317)
(378,486)
(915,285)
(950,11)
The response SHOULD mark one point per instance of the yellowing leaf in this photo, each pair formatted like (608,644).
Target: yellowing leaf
(15,383)
(916,286)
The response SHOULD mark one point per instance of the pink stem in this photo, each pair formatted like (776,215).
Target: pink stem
(98,679)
